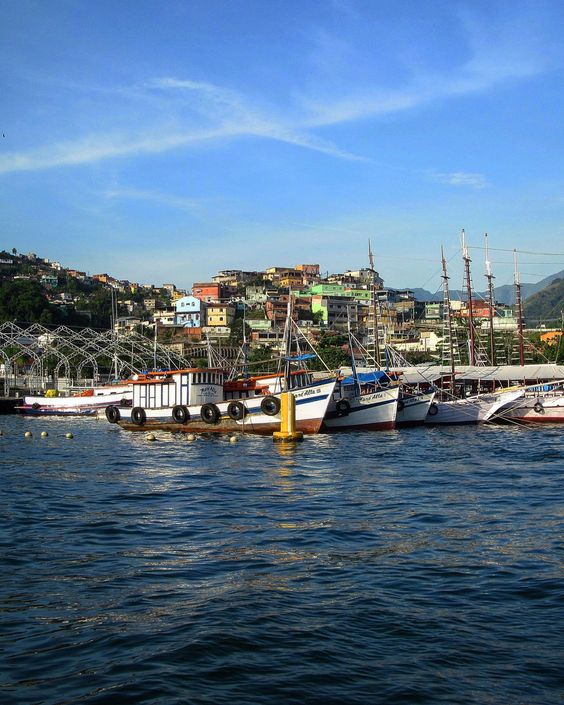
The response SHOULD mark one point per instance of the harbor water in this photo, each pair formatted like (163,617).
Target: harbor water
(421,566)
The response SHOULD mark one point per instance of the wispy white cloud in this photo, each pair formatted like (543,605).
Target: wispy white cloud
(229,115)
(462,178)
(178,113)
(189,204)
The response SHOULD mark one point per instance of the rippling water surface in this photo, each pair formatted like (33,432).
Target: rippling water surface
(422,566)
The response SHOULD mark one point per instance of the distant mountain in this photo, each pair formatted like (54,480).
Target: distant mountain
(504,294)
(546,305)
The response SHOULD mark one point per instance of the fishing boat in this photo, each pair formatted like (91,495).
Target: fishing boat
(201,400)
(542,403)
(88,402)
(363,402)
(413,406)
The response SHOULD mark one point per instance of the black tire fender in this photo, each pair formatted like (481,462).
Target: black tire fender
(433,409)
(180,414)
(270,406)
(210,413)
(538,408)
(112,414)
(236,410)
(343,407)
(138,416)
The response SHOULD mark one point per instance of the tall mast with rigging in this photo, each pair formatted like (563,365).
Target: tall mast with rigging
(468,281)
(375,351)
(448,315)
(491,306)
(519,310)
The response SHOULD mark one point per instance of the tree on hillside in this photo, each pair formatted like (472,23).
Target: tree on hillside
(23,300)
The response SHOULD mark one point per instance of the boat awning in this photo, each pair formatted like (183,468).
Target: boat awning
(375,377)
(466,373)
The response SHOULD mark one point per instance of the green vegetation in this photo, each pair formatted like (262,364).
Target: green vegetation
(546,306)
(24,300)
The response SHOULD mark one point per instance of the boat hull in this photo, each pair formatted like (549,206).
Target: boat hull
(473,410)
(375,411)
(311,405)
(76,405)
(413,409)
(538,409)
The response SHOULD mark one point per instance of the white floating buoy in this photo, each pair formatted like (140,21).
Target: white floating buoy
(191,437)
(44,434)
(69,435)
(28,434)
(233,439)
(151,437)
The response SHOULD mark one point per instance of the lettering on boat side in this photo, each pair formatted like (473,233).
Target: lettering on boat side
(306,393)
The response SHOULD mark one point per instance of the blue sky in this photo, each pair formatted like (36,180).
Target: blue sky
(166,141)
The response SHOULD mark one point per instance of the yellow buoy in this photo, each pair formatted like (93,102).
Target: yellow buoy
(151,437)
(191,437)
(69,435)
(233,439)
(287,432)
(44,434)
(28,434)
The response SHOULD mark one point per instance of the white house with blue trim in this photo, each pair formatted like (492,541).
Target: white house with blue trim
(190,312)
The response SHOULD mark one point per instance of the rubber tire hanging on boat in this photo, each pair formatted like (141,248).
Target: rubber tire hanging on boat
(343,407)
(112,414)
(401,405)
(270,406)
(433,410)
(538,408)
(180,414)
(210,413)
(35,405)
(236,411)
(138,416)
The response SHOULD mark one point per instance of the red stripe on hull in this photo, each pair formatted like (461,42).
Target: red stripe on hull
(310,426)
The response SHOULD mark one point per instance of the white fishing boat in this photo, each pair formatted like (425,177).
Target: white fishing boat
(472,410)
(413,407)
(201,400)
(362,403)
(88,402)
(541,403)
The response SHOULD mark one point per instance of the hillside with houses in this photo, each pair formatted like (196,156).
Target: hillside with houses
(251,305)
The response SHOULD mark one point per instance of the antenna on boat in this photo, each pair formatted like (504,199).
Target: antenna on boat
(467,277)
(519,311)
(490,277)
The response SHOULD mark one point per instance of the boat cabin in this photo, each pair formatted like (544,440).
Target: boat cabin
(191,387)
(263,385)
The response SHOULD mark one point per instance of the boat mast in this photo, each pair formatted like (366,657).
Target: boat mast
(288,341)
(490,277)
(519,308)
(351,349)
(245,345)
(471,341)
(448,314)
(375,352)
